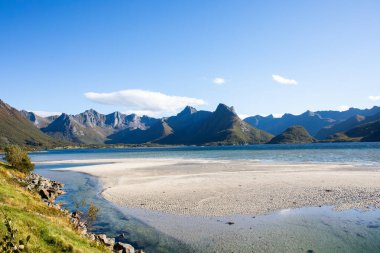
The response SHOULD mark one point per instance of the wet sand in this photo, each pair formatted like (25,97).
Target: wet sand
(220,188)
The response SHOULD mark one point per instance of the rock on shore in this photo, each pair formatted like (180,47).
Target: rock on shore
(49,190)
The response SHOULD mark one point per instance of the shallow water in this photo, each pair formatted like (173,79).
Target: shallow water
(354,153)
(83,189)
(321,229)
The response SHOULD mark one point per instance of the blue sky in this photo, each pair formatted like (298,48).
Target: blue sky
(153,57)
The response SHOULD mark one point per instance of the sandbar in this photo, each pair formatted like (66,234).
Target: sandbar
(232,187)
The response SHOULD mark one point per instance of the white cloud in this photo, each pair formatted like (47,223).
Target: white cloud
(144,102)
(283,80)
(243,116)
(46,114)
(219,80)
(278,115)
(343,108)
(275,115)
(374,98)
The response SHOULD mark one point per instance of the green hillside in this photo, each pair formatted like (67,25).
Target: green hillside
(295,135)
(49,229)
(16,129)
(369,132)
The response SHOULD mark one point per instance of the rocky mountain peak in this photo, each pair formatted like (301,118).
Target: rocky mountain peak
(91,112)
(29,115)
(132,117)
(309,113)
(188,110)
(64,116)
(114,119)
(224,109)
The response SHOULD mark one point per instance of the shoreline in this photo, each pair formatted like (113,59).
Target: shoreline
(231,187)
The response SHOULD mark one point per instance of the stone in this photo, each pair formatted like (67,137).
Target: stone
(44,194)
(49,190)
(60,192)
(76,214)
(103,239)
(91,236)
(123,248)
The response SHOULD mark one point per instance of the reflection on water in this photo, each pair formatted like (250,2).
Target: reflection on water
(83,189)
(312,229)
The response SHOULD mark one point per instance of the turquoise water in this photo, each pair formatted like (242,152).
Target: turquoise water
(309,229)
(82,189)
(320,229)
(356,153)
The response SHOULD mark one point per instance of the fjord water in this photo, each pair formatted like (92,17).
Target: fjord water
(348,153)
(320,229)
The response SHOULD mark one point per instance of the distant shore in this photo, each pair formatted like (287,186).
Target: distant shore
(226,187)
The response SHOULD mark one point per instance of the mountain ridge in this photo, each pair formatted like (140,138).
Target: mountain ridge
(16,129)
(313,122)
(188,127)
(192,127)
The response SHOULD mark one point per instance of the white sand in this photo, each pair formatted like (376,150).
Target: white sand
(218,188)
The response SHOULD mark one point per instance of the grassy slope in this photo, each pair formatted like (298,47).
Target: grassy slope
(369,132)
(16,129)
(294,134)
(50,230)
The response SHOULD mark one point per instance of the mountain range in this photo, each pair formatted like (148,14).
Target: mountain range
(189,127)
(315,123)
(91,127)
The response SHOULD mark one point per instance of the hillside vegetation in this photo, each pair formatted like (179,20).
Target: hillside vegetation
(293,135)
(369,132)
(49,229)
(16,129)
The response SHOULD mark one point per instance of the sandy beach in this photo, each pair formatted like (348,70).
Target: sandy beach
(219,188)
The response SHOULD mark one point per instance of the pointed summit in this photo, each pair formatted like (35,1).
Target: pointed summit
(224,109)
(91,112)
(309,113)
(115,119)
(225,127)
(64,116)
(38,121)
(188,110)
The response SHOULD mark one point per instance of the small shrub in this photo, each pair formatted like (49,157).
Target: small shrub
(92,214)
(18,159)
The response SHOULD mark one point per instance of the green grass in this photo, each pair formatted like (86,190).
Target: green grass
(16,129)
(294,134)
(49,228)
